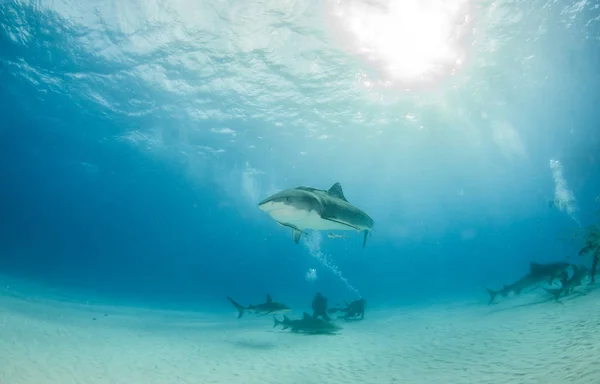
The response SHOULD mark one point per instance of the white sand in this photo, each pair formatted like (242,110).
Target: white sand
(47,341)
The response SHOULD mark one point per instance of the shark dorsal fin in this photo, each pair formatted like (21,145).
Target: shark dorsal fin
(337,191)
(285,318)
(306,316)
(269,300)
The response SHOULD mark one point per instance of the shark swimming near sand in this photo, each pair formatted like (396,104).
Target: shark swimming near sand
(537,274)
(269,307)
(307,324)
(304,208)
(568,284)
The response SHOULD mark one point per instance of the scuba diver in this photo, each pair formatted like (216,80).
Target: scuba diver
(319,306)
(352,310)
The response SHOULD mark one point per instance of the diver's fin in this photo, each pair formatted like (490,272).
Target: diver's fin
(337,191)
(297,235)
(239,307)
(269,299)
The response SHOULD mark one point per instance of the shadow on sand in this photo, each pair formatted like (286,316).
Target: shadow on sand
(254,344)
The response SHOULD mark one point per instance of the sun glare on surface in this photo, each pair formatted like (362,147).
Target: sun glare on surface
(409,41)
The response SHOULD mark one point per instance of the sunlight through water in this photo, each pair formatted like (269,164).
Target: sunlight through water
(411,42)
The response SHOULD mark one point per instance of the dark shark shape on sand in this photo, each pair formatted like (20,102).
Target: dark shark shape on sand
(269,307)
(568,284)
(307,324)
(538,273)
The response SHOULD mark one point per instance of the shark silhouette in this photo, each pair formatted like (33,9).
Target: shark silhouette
(304,208)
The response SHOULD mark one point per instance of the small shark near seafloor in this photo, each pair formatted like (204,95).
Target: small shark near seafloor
(269,307)
(307,324)
(304,208)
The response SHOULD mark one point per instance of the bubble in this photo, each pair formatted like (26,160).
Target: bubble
(313,243)
(564,198)
(311,275)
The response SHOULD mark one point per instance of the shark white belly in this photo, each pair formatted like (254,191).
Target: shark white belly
(303,219)
(304,208)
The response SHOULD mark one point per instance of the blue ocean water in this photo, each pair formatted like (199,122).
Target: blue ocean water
(137,138)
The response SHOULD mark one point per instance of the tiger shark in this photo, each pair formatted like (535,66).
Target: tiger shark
(304,208)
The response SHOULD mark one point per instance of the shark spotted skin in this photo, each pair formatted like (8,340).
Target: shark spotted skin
(303,208)
(269,307)
(538,273)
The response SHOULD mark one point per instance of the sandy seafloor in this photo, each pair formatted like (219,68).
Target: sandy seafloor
(527,339)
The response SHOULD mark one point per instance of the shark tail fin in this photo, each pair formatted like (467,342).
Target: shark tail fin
(237,306)
(554,292)
(492,294)
(275,322)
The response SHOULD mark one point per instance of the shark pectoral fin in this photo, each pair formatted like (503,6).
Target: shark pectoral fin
(297,235)
(365,238)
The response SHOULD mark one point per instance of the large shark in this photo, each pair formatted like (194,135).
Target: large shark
(537,274)
(568,284)
(304,208)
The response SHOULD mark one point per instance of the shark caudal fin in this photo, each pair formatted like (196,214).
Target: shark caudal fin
(237,306)
(492,294)
(276,322)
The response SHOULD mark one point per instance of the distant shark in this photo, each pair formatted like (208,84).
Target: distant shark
(568,284)
(537,274)
(269,307)
(307,324)
(304,208)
